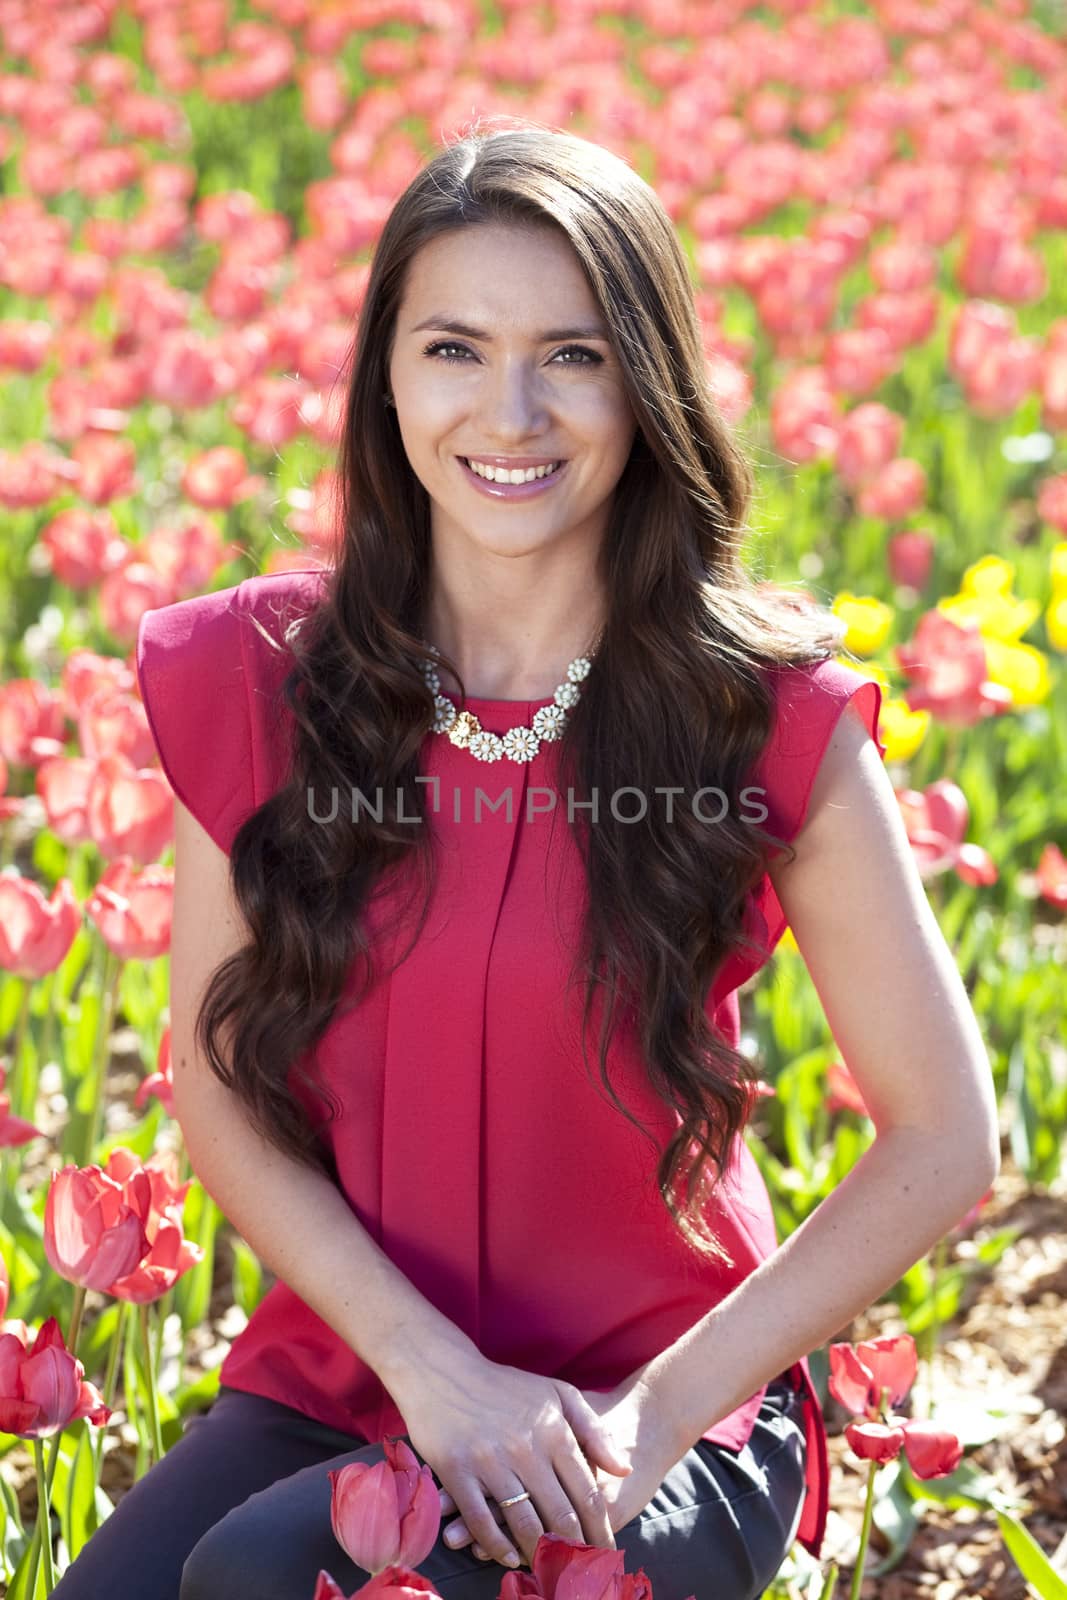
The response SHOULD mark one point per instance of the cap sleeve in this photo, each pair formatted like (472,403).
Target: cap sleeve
(809,702)
(191,675)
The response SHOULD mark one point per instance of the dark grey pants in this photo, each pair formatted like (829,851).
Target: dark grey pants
(239,1509)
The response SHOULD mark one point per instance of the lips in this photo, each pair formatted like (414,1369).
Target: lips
(517,466)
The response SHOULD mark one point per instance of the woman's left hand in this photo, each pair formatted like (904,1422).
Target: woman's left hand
(647,1439)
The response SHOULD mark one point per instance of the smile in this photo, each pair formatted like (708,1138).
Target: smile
(530,483)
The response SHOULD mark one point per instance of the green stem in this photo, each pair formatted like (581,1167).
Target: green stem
(868,1511)
(16,1086)
(111,976)
(110,1378)
(43,1523)
(150,1384)
(76,1319)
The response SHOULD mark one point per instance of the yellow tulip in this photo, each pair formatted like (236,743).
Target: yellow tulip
(788,942)
(990,576)
(868,621)
(1020,668)
(902,730)
(999,616)
(1056,619)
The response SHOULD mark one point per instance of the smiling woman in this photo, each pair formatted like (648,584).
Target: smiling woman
(560,1285)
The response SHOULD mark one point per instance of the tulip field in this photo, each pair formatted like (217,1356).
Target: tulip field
(873,201)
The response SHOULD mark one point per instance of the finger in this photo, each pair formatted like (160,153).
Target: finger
(548,1510)
(447,1503)
(457,1534)
(470,1499)
(585,1498)
(593,1434)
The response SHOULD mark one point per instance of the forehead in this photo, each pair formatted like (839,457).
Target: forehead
(498,276)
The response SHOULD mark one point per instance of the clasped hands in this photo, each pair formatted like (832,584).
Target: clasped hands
(606,1497)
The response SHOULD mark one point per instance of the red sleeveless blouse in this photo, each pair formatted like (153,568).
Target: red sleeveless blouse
(473,1146)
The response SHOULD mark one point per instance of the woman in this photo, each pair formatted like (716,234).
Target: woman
(559,1284)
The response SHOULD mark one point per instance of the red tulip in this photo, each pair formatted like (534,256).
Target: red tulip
(327,1589)
(565,1570)
(936,820)
(93,1226)
(35,933)
(219,478)
(1052,876)
(133,910)
(43,1388)
(875,1441)
(130,810)
(932,1452)
(910,556)
(160,1082)
(32,722)
(859,1373)
(387,1514)
(113,722)
(63,785)
(13,1130)
(843,1093)
(161,1198)
(947,667)
(82,546)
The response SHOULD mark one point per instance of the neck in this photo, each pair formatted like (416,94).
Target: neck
(526,662)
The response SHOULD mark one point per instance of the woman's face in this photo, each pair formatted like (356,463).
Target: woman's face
(532,375)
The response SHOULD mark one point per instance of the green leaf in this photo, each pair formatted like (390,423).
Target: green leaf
(85,1506)
(1030,1559)
(894,1515)
(200,1394)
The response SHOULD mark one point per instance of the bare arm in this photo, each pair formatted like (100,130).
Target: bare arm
(900,1014)
(295,1219)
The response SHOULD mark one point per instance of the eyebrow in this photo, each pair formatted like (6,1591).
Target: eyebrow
(465,331)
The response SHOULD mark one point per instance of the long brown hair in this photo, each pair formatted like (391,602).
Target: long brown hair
(678,685)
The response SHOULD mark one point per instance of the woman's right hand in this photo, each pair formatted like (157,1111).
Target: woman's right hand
(489,1431)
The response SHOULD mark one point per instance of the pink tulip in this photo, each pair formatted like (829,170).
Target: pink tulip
(94,1227)
(932,1452)
(43,1388)
(35,933)
(219,478)
(387,1514)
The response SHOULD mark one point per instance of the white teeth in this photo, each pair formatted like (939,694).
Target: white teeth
(517,475)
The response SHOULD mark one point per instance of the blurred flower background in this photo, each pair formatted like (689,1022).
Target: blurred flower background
(873,201)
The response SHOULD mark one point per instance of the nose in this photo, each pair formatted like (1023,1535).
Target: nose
(515,404)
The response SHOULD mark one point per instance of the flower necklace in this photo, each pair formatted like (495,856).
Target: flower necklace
(519,743)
